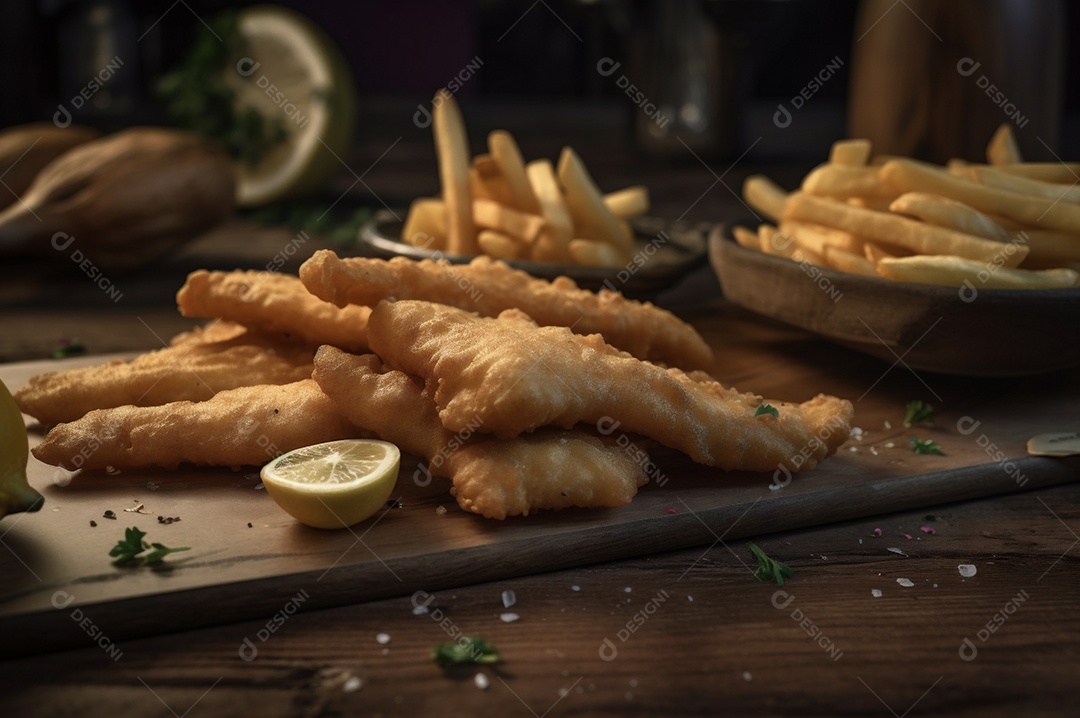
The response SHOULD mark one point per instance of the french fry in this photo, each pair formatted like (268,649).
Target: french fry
(628,202)
(504,150)
(492,215)
(848,262)
(772,240)
(553,243)
(765,196)
(954,271)
(874,253)
(746,238)
(1003,149)
(590,253)
(992,177)
(850,153)
(591,216)
(817,237)
(949,213)
(1062,172)
(452,148)
(895,229)
(487,181)
(425,225)
(1049,249)
(498,245)
(831,180)
(912,176)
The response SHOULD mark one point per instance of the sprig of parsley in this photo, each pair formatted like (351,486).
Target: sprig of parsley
(929,446)
(918,412)
(465,651)
(764,409)
(127,551)
(769,569)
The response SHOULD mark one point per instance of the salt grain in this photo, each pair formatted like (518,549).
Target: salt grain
(352,685)
(747,676)
(575,587)
(905,582)
(967,570)
(382,638)
(896,551)
(440,510)
(481,681)
(509,598)
(875,592)
(508,617)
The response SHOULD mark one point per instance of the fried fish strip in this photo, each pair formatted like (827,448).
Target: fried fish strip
(488,287)
(273,303)
(509,376)
(194,367)
(246,426)
(548,469)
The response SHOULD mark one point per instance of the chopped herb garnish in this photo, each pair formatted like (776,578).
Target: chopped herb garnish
(919,412)
(340,227)
(763,409)
(465,651)
(769,569)
(929,446)
(127,551)
(68,348)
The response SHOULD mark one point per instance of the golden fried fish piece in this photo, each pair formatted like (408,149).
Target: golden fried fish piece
(247,426)
(508,376)
(273,303)
(195,366)
(487,287)
(547,469)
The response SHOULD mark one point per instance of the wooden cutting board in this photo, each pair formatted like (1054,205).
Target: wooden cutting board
(249,560)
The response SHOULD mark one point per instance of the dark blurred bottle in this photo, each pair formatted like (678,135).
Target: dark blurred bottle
(933,79)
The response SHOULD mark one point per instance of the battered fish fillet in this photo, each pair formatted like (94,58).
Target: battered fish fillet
(547,469)
(194,367)
(507,375)
(488,287)
(246,426)
(273,303)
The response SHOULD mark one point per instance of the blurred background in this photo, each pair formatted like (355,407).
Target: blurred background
(718,68)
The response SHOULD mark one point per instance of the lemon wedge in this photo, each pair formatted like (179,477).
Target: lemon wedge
(333,485)
(291,72)
(16,494)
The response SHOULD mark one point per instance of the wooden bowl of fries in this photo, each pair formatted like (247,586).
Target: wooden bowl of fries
(993,332)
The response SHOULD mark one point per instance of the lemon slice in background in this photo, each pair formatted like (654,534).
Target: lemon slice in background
(293,74)
(16,494)
(336,484)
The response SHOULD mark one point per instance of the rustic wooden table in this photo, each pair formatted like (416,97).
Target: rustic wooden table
(679,633)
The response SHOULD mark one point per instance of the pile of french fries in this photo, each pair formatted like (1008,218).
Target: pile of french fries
(500,206)
(1002,225)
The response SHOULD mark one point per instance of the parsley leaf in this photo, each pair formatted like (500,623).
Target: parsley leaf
(918,412)
(465,651)
(127,550)
(769,569)
(764,409)
(929,446)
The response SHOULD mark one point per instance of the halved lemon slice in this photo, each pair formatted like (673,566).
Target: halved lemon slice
(336,484)
(292,73)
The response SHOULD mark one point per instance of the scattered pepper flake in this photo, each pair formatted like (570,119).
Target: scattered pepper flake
(93,523)
(249,525)
(394,504)
(671,509)
(109,515)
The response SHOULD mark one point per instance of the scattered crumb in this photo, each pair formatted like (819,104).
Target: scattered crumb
(747,676)
(907,536)
(259,486)
(873,451)
(137,508)
(152,486)
(889,445)
(352,684)
(440,510)
(887,424)
(167,519)
(905,582)
(875,592)
(967,570)
(853,449)
(481,681)
(112,470)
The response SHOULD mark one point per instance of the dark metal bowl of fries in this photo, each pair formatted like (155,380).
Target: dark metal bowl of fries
(664,252)
(962,330)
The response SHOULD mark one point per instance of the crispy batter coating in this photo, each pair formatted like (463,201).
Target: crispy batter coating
(195,366)
(488,287)
(273,303)
(247,426)
(547,469)
(506,375)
